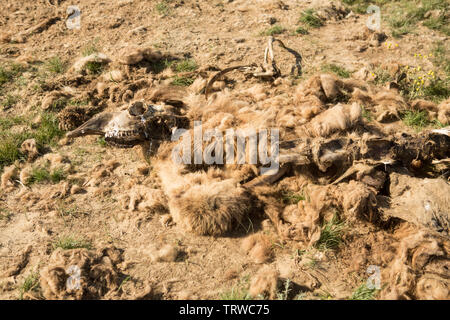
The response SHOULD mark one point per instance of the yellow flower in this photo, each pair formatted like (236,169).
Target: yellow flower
(415,55)
(419,68)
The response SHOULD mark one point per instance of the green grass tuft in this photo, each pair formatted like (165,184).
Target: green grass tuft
(367,114)
(182,81)
(363,293)
(41,175)
(382,76)
(94,67)
(437,90)
(48,132)
(276,29)
(338,70)
(101,142)
(301,30)
(416,119)
(186,65)
(31,283)
(331,234)
(309,18)
(238,291)
(163,8)
(55,65)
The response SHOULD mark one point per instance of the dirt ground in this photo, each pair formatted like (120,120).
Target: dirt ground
(108,212)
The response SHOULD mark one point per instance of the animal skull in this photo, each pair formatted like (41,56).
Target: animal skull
(130,127)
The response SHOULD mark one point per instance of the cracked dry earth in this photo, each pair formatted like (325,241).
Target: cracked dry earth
(360,186)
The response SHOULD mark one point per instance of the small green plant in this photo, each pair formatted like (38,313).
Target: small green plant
(163,8)
(55,65)
(48,132)
(338,70)
(101,142)
(283,295)
(94,67)
(69,242)
(182,81)
(381,76)
(310,18)
(366,114)
(276,29)
(31,283)
(363,293)
(331,234)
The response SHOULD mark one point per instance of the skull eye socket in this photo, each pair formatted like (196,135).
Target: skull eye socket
(136,109)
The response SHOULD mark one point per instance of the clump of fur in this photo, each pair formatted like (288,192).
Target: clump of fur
(50,98)
(258,247)
(167,253)
(142,198)
(25,174)
(388,104)
(132,55)
(29,148)
(203,203)
(444,112)
(99,274)
(416,271)
(8,173)
(339,118)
